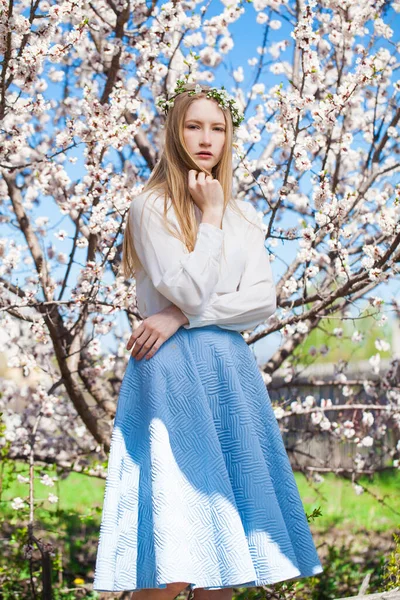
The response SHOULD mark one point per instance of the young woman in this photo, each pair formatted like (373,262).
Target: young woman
(199,489)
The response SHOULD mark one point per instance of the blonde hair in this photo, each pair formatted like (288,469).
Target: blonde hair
(170,175)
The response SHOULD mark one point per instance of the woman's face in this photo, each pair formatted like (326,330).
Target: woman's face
(204,131)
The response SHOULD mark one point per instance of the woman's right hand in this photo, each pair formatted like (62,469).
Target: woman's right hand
(206,192)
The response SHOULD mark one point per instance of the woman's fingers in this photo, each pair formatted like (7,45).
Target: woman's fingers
(154,348)
(147,345)
(142,340)
(138,331)
(197,177)
(139,340)
(192,178)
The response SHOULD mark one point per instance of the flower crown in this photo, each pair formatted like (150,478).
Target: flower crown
(220,95)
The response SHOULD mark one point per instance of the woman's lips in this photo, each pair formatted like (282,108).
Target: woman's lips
(205,155)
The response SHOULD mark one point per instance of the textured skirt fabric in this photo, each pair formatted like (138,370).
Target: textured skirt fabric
(199,486)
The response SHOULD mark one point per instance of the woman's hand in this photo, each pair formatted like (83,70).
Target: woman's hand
(206,192)
(154,331)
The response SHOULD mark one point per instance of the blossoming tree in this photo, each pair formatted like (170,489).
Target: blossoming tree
(317,154)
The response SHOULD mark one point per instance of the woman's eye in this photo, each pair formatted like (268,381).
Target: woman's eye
(195,127)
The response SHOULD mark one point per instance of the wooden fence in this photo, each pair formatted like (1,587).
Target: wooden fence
(320,450)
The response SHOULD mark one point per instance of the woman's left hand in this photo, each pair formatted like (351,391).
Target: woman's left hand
(154,331)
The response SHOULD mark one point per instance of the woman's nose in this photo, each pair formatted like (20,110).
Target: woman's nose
(205,137)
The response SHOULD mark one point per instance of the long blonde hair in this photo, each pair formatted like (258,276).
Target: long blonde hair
(170,174)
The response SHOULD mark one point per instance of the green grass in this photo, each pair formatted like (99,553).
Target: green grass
(72,526)
(343,348)
(76,492)
(340,505)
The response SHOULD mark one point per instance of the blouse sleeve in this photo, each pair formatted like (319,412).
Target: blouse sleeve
(255,299)
(185,278)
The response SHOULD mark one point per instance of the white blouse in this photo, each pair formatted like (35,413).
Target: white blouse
(226,280)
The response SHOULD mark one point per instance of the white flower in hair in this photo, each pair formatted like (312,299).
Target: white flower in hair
(224,99)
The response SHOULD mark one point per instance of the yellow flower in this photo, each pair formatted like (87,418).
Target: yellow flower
(79,581)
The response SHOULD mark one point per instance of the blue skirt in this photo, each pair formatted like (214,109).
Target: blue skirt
(199,486)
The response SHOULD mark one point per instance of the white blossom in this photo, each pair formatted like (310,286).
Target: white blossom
(316,417)
(348,429)
(358,489)
(374,361)
(382,345)
(309,401)
(367,441)
(22,478)
(61,234)
(47,480)
(18,503)
(325,424)
(279,412)
(296,407)
(368,418)
(357,337)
